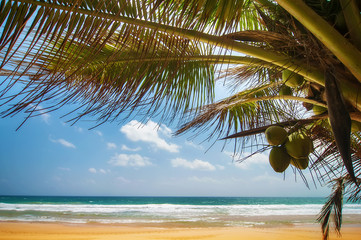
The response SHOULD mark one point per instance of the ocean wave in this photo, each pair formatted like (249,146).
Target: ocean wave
(81,213)
(221,211)
(257,209)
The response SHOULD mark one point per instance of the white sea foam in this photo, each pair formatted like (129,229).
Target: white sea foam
(154,213)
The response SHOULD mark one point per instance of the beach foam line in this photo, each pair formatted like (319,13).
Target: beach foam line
(223,215)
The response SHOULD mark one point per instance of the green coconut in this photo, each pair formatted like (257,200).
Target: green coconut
(276,135)
(355,126)
(285,91)
(300,163)
(318,110)
(279,159)
(310,144)
(299,145)
(292,79)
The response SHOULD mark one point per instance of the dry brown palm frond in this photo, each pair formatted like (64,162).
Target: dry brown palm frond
(333,206)
(327,160)
(257,36)
(289,123)
(353,191)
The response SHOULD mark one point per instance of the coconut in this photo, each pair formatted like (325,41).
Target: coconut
(291,79)
(317,110)
(279,159)
(276,135)
(299,145)
(355,126)
(285,91)
(310,144)
(300,163)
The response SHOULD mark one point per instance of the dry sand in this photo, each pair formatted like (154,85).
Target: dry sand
(60,231)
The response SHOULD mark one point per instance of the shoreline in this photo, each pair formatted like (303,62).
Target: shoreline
(96,231)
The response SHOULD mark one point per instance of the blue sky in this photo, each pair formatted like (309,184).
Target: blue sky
(50,157)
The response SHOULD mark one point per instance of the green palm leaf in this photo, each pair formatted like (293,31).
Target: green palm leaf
(67,37)
(246,110)
(109,79)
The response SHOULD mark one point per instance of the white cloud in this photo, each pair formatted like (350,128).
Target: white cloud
(111,145)
(136,131)
(133,160)
(163,129)
(45,117)
(66,143)
(99,133)
(257,159)
(63,142)
(194,165)
(93,170)
(126,148)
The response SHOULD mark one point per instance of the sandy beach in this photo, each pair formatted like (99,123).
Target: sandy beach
(174,218)
(60,231)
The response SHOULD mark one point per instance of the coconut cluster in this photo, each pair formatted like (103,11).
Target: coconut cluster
(288,149)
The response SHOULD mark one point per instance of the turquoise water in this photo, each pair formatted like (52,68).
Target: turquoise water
(160,200)
(220,211)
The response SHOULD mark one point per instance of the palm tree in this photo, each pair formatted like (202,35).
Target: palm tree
(116,58)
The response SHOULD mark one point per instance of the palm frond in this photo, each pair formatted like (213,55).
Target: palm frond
(56,40)
(327,159)
(108,79)
(221,16)
(353,190)
(245,110)
(287,124)
(333,206)
(53,18)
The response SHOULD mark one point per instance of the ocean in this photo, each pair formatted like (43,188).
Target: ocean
(177,211)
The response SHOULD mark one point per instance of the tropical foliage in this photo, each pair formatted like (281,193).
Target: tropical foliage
(115,58)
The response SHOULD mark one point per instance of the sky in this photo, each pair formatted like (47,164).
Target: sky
(48,156)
